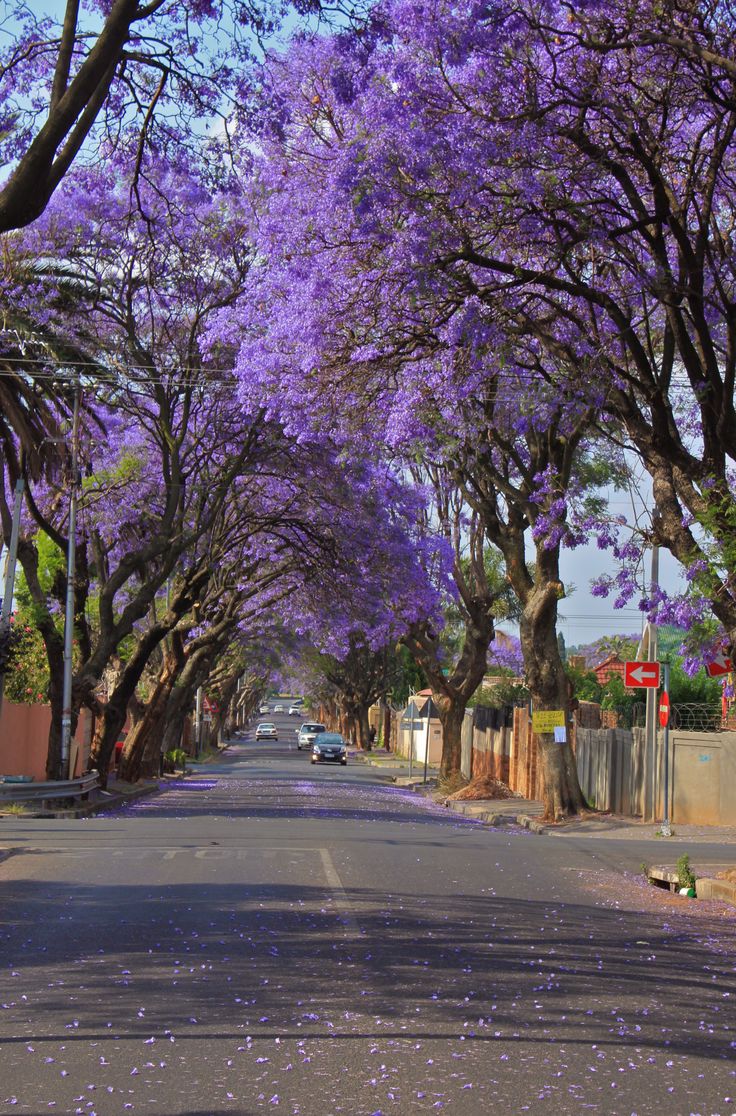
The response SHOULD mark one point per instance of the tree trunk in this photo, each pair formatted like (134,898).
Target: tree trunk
(115,712)
(547,684)
(451,713)
(177,707)
(364,729)
(56,700)
(451,693)
(142,748)
(386,733)
(222,720)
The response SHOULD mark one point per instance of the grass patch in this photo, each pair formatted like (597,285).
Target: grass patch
(15,808)
(452,784)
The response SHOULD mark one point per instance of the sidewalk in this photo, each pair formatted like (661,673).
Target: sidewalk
(524,811)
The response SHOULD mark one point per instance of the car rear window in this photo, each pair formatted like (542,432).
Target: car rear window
(313,728)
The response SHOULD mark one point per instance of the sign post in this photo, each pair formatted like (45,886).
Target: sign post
(430,711)
(664,720)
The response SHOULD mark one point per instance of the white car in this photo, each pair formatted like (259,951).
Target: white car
(295,710)
(307,733)
(266,731)
(278,709)
(263,709)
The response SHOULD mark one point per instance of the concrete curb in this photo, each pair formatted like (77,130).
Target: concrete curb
(724,890)
(530,823)
(474,810)
(706,887)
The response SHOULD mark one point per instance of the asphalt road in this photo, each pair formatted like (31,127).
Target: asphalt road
(269,936)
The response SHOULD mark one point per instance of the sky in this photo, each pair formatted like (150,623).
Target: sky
(583,617)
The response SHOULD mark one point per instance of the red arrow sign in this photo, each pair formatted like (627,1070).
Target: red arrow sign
(664,709)
(719,666)
(641,675)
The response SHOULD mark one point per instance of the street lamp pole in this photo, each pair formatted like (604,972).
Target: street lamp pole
(11,560)
(71,558)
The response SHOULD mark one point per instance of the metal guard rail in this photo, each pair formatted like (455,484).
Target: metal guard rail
(63,788)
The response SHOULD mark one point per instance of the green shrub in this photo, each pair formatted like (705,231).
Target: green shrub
(175,757)
(685,874)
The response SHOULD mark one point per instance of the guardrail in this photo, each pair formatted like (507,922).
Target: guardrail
(43,791)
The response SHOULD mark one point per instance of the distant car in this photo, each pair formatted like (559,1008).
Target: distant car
(295,710)
(263,708)
(266,731)
(329,747)
(278,709)
(307,733)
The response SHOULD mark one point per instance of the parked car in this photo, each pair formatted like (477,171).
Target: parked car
(329,747)
(266,731)
(307,733)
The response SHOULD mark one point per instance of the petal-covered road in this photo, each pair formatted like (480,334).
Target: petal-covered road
(274,937)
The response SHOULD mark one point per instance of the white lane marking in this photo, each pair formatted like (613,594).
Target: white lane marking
(347,907)
(164,852)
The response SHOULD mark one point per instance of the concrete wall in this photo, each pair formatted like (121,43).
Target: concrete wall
(24,740)
(435,740)
(702,774)
(703,778)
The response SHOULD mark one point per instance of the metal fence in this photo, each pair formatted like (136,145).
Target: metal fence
(697,717)
(687,717)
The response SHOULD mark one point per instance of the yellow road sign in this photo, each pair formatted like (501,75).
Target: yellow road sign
(547,720)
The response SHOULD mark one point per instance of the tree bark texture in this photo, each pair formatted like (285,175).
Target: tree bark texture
(548,686)
(142,748)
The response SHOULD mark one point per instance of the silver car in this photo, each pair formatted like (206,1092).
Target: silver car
(266,731)
(307,733)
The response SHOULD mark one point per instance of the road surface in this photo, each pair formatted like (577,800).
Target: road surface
(268,936)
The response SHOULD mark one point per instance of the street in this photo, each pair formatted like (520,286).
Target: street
(271,936)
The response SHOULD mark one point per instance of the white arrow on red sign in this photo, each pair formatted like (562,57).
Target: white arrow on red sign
(718,666)
(641,675)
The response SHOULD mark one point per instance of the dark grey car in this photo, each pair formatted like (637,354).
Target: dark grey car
(329,747)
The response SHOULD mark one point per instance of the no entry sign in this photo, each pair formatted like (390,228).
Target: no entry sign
(719,665)
(641,675)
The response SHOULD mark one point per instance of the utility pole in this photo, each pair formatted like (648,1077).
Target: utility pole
(198,718)
(71,562)
(666,829)
(651,779)
(9,585)
(411,738)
